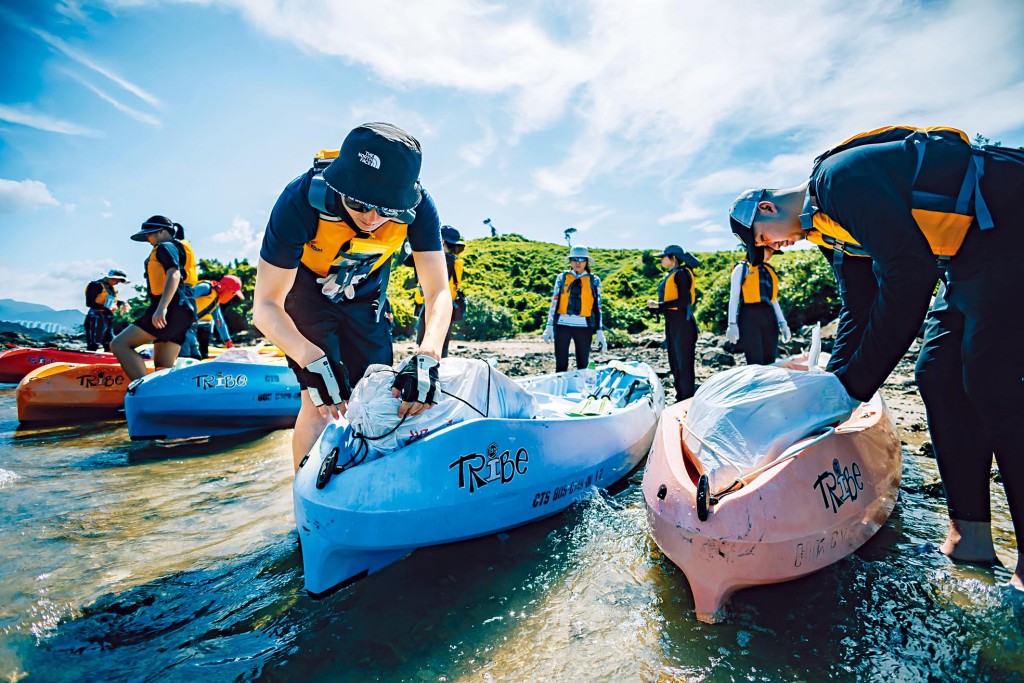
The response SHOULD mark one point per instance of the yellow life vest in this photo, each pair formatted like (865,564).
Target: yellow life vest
(207,304)
(190,276)
(107,298)
(760,284)
(454,284)
(586,294)
(668,292)
(944,220)
(156,276)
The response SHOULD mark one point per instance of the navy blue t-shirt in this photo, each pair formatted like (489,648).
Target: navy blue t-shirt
(293,222)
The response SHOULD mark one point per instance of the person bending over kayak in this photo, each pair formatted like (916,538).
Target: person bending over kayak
(101,300)
(323,272)
(924,204)
(172,306)
(575,313)
(755,317)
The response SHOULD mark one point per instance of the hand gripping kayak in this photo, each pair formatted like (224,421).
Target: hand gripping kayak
(326,381)
(417,382)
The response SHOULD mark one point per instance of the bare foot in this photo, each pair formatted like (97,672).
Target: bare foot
(969,542)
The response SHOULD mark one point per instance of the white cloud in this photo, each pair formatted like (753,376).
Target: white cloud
(24,116)
(246,242)
(25,194)
(477,153)
(86,61)
(120,106)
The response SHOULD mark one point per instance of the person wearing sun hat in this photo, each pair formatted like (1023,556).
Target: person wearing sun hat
(677,293)
(575,312)
(101,301)
(906,208)
(172,306)
(451,241)
(324,267)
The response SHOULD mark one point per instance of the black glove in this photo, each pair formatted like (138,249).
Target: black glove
(418,382)
(326,381)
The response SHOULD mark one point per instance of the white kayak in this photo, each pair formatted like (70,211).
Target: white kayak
(470,479)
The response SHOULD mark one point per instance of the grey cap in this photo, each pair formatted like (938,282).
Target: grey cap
(741,219)
(672,250)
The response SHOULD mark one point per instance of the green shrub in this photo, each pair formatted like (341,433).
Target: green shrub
(485,321)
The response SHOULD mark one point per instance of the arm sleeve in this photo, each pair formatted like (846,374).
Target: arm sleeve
(735,291)
(871,209)
(222,327)
(555,294)
(779,318)
(167,256)
(597,302)
(425,230)
(293,222)
(202,289)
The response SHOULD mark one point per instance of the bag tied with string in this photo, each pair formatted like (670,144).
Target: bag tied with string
(744,418)
(470,389)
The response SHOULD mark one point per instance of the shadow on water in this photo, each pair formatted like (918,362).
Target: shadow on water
(144,451)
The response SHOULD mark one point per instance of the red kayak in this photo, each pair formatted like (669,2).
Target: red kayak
(17,362)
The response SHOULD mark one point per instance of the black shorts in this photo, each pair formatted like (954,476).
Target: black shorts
(348,332)
(179,319)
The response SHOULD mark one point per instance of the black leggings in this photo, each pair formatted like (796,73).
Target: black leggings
(759,333)
(99,329)
(681,339)
(580,337)
(971,376)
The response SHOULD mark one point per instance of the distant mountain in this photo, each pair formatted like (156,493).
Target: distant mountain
(11,310)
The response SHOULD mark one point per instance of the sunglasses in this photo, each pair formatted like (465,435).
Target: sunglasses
(579,259)
(363,207)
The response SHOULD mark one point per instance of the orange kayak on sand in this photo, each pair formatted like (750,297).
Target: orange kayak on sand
(823,498)
(17,362)
(68,391)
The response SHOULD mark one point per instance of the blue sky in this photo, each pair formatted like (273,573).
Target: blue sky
(635,122)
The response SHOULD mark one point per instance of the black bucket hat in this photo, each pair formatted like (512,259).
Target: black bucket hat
(378,164)
(451,236)
(154,224)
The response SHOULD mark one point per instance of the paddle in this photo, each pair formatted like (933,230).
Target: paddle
(584,407)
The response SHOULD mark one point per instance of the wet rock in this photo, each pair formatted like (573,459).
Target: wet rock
(926,449)
(716,358)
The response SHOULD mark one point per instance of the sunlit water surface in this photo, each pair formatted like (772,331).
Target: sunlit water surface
(122,561)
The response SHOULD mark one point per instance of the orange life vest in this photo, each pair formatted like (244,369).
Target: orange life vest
(760,284)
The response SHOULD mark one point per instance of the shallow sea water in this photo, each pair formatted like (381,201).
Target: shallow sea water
(126,561)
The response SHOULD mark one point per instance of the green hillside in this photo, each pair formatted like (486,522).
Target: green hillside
(508,280)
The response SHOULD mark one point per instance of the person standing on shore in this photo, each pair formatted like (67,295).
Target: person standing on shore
(210,296)
(451,242)
(755,317)
(324,267)
(575,313)
(172,306)
(677,294)
(101,300)
(925,204)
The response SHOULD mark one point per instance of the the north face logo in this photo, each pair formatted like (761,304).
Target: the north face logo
(370,159)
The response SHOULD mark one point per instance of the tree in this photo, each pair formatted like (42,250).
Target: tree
(569,232)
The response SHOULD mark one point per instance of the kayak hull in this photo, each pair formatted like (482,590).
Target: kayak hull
(214,398)
(18,362)
(61,392)
(793,519)
(463,481)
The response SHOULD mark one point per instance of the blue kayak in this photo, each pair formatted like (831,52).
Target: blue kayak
(213,398)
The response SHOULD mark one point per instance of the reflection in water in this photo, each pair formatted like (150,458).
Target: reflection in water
(122,561)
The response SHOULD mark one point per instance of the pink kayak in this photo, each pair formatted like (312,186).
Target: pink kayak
(814,505)
(17,362)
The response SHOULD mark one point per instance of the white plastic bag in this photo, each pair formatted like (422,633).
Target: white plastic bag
(484,392)
(742,419)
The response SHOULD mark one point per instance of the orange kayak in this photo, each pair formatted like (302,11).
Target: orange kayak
(68,391)
(18,362)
